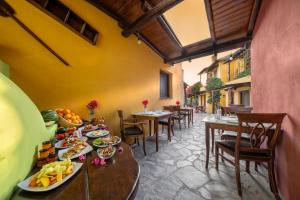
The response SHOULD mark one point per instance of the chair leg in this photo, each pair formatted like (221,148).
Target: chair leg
(271,171)
(255,167)
(138,141)
(179,122)
(270,177)
(162,129)
(222,152)
(238,177)
(172,129)
(144,145)
(248,166)
(217,157)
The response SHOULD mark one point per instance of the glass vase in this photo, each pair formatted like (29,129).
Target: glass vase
(91,115)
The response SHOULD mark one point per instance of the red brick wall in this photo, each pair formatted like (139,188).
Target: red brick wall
(276,83)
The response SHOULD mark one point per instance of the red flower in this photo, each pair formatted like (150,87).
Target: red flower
(92,105)
(145,102)
(177,103)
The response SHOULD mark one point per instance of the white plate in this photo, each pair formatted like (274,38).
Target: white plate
(94,128)
(101,133)
(86,150)
(119,141)
(59,143)
(108,157)
(25,184)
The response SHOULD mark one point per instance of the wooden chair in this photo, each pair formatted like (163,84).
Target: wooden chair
(232,111)
(178,116)
(264,131)
(131,128)
(166,122)
(186,115)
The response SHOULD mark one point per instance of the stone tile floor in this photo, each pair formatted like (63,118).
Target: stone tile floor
(178,171)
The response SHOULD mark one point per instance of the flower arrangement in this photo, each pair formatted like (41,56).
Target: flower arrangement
(145,103)
(92,105)
(177,102)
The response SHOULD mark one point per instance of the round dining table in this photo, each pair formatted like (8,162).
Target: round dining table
(117,180)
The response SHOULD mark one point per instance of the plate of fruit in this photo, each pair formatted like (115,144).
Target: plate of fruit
(98,133)
(107,152)
(67,118)
(99,142)
(75,151)
(51,176)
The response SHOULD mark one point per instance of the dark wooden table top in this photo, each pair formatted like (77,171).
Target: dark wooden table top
(118,180)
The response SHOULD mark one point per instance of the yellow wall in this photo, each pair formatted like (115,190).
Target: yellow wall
(117,72)
(236,66)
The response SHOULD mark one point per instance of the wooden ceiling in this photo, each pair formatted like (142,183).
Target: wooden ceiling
(231,24)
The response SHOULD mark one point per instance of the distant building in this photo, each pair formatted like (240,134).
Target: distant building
(234,72)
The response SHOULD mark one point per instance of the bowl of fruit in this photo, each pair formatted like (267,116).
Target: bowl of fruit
(67,118)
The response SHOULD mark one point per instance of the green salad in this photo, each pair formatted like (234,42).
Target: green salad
(99,141)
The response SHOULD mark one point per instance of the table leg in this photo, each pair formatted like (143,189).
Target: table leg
(189,119)
(212,140)
(192,116)
(169,129)
(207,144)
(150,127)
(156,133)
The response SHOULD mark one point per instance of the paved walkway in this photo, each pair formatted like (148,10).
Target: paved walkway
(177,171)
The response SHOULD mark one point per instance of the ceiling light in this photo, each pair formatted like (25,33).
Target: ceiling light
(139,40)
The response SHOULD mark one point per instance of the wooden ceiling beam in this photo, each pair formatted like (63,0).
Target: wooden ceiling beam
(254,15)
(217,48)
(146,6)
(210,18)
(156,11)
(150,44)
(123,24)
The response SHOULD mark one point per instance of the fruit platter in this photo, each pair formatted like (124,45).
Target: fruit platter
(50,176)
(70,142)
(107,152)
(75,151)
(97,133)
(67,118)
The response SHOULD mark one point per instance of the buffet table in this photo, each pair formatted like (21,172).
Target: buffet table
(118,180)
